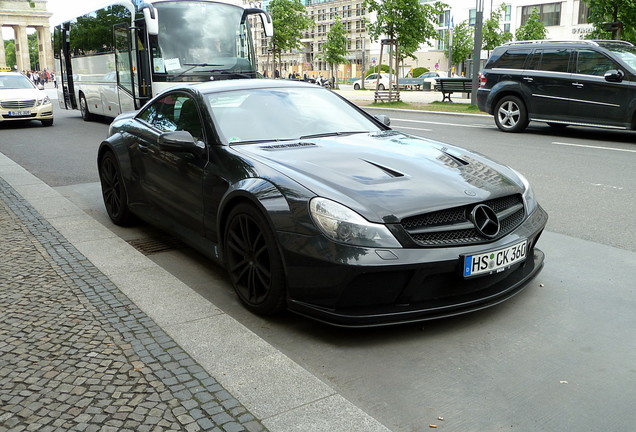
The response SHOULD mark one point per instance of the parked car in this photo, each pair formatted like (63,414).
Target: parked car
(21,100)
(343,220)
(582,82)
(371,81)
(431,77)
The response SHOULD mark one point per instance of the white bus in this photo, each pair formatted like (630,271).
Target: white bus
(114,59)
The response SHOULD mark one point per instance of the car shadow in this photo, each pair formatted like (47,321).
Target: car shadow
(584,133)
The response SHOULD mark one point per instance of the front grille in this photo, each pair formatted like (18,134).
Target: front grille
(452,227)
(18,104)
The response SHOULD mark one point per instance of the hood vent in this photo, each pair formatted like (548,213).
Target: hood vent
(287,146)
(456,159)
(388,171)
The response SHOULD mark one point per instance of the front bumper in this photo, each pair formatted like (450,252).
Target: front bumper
(42,112)
(363,287)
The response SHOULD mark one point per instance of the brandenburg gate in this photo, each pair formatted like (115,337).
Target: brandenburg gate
(19,15)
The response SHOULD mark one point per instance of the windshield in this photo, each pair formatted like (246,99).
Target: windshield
(197,37)
(276,114)
(15,82)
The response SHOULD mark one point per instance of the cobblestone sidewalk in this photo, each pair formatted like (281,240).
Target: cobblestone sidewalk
(77,355)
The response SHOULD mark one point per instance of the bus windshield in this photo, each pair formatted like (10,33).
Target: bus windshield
(201,37)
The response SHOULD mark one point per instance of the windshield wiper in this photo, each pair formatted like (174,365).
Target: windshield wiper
(192,66)
(328,134)
(236,74)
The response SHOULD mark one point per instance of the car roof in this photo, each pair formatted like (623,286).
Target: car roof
(244,84)
(575,42)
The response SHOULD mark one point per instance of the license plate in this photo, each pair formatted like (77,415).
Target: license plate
(495,261)
(19,113)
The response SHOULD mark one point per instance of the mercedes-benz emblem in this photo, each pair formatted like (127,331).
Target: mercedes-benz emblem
(485,220)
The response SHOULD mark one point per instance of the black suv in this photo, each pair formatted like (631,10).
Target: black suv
(584,83)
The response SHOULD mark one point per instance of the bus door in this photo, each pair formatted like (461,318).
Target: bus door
(65,88)
(144,70)
(125,67)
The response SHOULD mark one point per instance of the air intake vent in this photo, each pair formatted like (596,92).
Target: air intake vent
(288,146)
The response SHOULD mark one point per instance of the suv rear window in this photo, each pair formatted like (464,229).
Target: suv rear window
(510,59)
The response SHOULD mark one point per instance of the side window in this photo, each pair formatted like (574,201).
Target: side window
(161,114)
(187,116)
(512,59)
(551,59)
(590,62)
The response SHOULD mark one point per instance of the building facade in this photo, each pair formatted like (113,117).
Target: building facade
(564,20)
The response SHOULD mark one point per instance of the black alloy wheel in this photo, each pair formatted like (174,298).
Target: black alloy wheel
(113,190)
(253,261)
(86,114)
(511,114)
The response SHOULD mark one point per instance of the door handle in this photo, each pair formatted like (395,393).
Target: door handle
(528,79)
(577,85)
(142,148)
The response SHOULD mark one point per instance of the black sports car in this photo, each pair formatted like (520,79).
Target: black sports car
(314,205)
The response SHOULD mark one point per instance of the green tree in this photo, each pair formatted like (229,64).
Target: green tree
(34,51)
(602,12)
(492,33)
(462,45)
(9,52)
(290,21)
(408,22)
(533,29)
(335,48)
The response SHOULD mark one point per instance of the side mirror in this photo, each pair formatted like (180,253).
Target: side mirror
(151,18)
(384,119)
(179,141)
(268,25)
(40,87)
(614,75)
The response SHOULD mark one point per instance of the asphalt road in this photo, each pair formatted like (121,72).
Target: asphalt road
(557,357)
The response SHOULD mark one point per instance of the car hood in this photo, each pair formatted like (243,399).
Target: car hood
(21,94)
(389,175)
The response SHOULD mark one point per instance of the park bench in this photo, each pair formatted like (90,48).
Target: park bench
(450,85)
(414,82)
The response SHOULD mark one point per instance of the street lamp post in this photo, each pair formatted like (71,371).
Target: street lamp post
(479,20)
(362,63)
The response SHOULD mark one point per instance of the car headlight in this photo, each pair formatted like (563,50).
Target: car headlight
(343,225)
(45,101)
(528,194)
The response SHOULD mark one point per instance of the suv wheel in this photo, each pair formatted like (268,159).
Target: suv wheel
(511,114)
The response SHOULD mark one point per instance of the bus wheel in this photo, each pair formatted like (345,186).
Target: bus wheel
(86,114)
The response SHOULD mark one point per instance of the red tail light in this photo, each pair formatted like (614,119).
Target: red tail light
(482,80)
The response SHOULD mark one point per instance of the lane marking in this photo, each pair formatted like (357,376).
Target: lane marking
(413,128)
(593,147)
(437,123)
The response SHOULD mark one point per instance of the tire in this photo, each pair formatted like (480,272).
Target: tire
(511,114)
(356,86)
(86,114)
(47,122)
(381,87)
(253,261)
(113,190)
